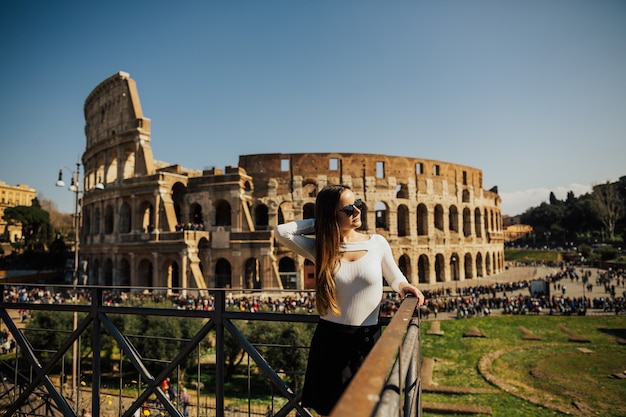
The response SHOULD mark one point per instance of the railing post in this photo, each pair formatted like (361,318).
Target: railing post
(96,303)
(413,395)
(220,307)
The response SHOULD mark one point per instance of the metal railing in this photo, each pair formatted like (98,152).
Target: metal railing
(388,383)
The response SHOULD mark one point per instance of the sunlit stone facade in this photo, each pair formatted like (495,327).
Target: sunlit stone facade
(161,225)
(12,196)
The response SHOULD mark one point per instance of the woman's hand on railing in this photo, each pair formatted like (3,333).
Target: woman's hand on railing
(407,289)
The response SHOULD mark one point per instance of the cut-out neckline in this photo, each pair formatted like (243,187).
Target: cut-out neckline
(353,256)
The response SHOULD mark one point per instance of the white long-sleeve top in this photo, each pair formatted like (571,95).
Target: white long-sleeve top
(359,283)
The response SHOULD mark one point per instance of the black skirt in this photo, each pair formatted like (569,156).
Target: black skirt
(337,352)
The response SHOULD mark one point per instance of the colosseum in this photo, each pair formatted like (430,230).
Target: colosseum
(156,224)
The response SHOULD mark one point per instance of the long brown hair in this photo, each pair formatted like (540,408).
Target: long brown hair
(327,243)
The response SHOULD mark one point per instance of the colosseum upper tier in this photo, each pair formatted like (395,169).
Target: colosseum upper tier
(160,225)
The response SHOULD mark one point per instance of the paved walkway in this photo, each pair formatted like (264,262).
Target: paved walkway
(515,274)
(574,289)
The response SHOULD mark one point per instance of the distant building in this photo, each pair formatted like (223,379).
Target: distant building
(157,224)
(12,196)
(514,229)
(511,220)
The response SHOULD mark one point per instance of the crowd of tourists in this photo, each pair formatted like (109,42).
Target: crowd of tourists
(518,298)
(606,291)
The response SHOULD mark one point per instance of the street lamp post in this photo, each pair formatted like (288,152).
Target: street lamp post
(456,283)
(75,188)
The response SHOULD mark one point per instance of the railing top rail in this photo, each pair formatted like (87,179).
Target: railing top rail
(363,393)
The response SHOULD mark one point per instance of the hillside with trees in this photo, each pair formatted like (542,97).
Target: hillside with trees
(591,223)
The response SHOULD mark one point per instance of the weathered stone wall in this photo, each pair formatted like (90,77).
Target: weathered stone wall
(157,224)
(441,223)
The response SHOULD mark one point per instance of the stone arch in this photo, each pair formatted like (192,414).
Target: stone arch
(382,215)
(467,262)
(308,211)
(251,274)
(173,277)
(453,219)
(309,189)
(146,214)
(402,191)
(125,218)
(145,274)
(403,220)
(178,193)
(99,169)
(261,217)
(467,223)
(439,268)
(404,263)
(223,215)
(124,274)
(422,220)
(423,269)
(128,168)
(86,229)
(287,272)
(479,265)
(486,220)
(477,222)
(454,267)
(487,264)
(96,221)
(108,219)
(110,175)
(223,274)
(197,218)
(108,272)
(465,196)
(285,212)
(439,217)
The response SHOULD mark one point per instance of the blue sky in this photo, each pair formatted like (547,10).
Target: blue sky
(532,92)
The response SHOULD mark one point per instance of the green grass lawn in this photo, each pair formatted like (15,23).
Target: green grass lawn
(532,255)
(553,371)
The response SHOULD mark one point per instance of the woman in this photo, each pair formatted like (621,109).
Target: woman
(349,268)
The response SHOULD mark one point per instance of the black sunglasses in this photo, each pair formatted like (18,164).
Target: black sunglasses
(349,209)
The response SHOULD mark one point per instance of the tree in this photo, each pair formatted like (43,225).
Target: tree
(35,221)
(553,199)
(47,331)
(233,354)
(608,206)
(162,337)
(545,217)
(62,223)
(620,227)
(157,339)
(281,344)
(579,219)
